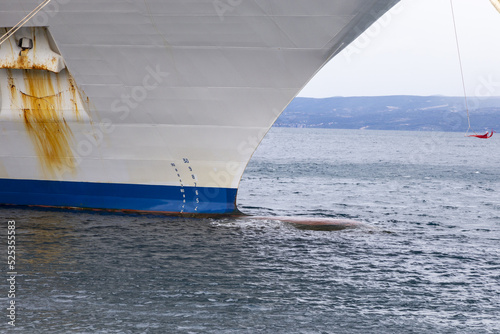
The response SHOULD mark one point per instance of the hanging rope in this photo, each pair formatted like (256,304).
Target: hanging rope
(461,67)
(25,20)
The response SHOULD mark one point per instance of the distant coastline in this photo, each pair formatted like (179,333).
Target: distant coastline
(402,112)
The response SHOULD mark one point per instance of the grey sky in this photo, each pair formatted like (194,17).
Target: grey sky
(412,51)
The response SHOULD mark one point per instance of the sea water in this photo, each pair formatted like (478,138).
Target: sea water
(426,261)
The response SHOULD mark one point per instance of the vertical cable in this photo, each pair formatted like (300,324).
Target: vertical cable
(461,67)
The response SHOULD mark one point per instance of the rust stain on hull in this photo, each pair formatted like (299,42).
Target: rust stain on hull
(22,61)
(40,57)
(44,96)
(75,96)
(48,130)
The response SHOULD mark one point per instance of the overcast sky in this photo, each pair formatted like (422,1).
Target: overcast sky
(412,51)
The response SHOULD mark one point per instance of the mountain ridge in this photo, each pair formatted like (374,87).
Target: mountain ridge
(395,112)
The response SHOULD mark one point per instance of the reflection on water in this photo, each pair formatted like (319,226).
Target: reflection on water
(45,243)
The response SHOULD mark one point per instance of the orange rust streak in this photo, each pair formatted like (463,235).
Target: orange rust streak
(12,87)
(47,129)
(22,60)
(74,97)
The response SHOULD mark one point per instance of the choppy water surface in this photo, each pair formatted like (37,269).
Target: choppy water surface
(429,262)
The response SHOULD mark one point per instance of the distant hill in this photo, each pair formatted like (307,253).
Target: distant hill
(415,113)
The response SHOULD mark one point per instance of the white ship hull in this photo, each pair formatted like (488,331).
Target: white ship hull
(155,105)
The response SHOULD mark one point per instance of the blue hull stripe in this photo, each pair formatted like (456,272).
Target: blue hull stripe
(111,196)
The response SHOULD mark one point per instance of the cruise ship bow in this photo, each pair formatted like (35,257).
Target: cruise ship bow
(154,105)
